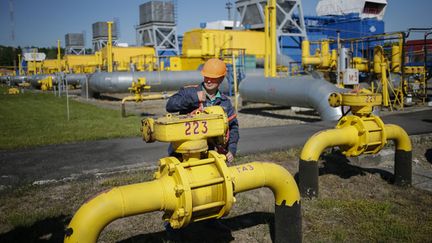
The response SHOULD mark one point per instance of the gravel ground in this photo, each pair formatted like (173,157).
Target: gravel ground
(250,115)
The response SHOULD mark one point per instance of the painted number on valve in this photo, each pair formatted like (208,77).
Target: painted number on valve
(370,99)
(196,127)
(244,168)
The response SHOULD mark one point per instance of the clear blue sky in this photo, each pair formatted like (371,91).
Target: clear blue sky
(43,22)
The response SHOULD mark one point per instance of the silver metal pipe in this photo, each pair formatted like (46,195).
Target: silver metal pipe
(282,60)
(301,91)
(15,80)
(5,79)
(34,79)
(75,78)
(119,82)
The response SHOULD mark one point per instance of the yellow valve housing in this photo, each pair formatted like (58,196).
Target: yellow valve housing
(361,133)
(187,133)
(370,128)
(46,83)
(138,87)
(361,103)
(361,64)
(195,181)
(370,131)
(13,91)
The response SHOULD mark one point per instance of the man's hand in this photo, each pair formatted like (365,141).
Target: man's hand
(229,157)
(201,96)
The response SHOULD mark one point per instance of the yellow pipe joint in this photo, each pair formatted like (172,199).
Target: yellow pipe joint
(399,135)
(379,59)
(46,83)
(260,174)
(322,59)
(328,138)
(196,187)
(362,133)
(396,58)
(361,64)
(115,203)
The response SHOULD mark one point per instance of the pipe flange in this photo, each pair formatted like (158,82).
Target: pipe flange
(181,215)
(227,184)
(363,135)
(147,130)
(335,99)
(371,135)
(378,122)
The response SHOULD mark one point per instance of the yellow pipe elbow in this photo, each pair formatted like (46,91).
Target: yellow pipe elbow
(326,57)
(155,97)
(306,57)
(305,46)
(194,53)
(115,203)
(328,138)
(396,59)
(127,98)
(259,174)
(311,60)
(399,135)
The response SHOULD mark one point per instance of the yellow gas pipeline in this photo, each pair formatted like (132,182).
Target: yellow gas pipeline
(46,83)
(137,88)
(322,59)
(196,185)
(360,133)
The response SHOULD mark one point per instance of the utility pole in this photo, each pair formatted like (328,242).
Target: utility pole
(12,19)
(228,6)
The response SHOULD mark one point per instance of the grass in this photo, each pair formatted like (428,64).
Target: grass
(362,208)
(389,214)
(370,220)
(34,119)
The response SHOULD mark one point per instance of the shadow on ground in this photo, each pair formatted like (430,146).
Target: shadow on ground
(47,230)
(145,114)
(108,98)
(260,111)
(52,230)
(208,231)
(428,155)
(336,163)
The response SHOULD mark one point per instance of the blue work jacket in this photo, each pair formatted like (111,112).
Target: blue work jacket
(186,100)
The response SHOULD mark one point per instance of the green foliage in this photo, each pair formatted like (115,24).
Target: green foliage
(9,54)
(33,119)
(368,220)
(51,52)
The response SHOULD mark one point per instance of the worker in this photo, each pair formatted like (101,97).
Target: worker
(192,98)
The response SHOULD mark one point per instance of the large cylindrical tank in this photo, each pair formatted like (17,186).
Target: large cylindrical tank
(301,91)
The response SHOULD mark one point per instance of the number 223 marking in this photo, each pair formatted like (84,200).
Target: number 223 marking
(193,128)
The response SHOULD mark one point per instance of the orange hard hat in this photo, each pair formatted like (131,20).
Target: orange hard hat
(214,68)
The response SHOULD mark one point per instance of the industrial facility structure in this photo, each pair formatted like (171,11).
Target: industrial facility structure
(274,54)
(345,44)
